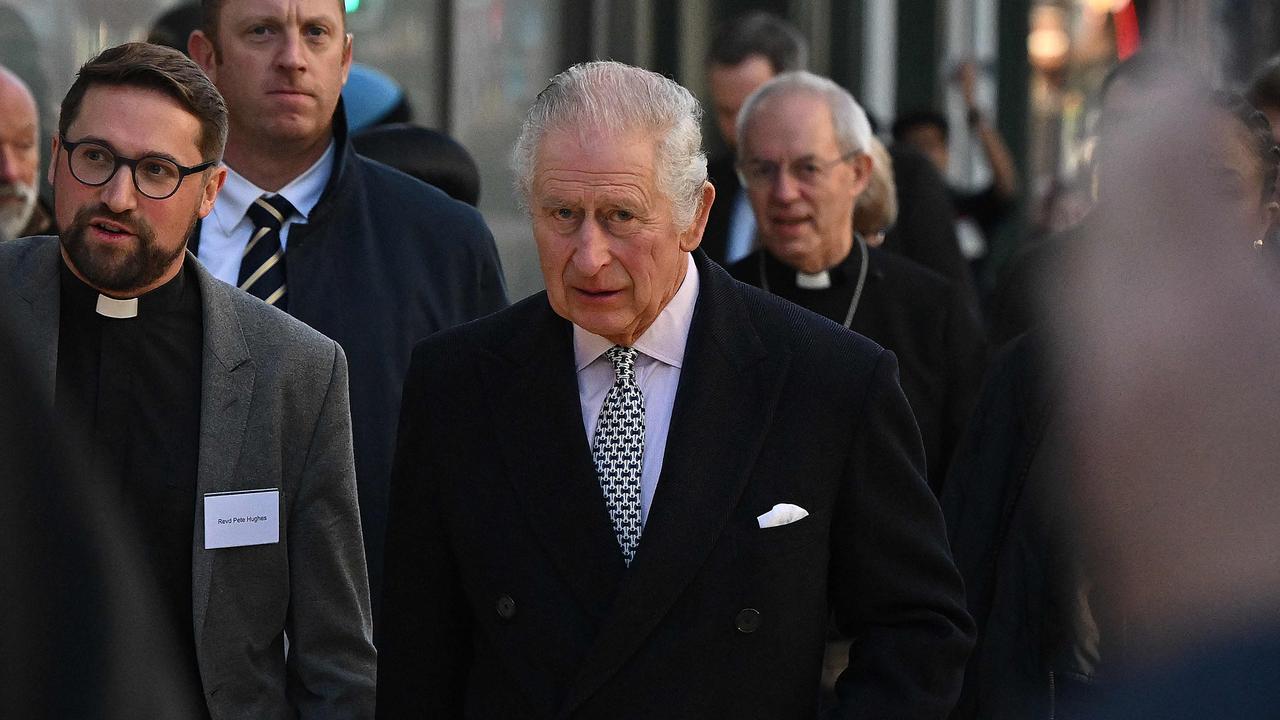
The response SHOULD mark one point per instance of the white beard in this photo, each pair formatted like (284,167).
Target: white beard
(14,217)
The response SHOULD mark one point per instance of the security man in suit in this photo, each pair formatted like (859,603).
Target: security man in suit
(805,158)
(216,428)
(643,492)
(367,255)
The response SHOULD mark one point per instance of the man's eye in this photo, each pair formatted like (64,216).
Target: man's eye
(157,169)
(562,214)
(259,30)
(316,31)
(807,171)
(622,216)
(95,155)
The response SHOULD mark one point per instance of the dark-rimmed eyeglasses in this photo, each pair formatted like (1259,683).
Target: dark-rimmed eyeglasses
(94,164)
(806,171)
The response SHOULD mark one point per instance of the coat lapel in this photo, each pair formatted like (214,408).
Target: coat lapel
(728,389)
(36,281)
(532,391)
(225,395)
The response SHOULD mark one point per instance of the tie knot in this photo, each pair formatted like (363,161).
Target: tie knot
(270,211)
(624,362)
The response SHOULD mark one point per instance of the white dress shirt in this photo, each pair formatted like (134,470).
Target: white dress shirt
(226,230)
(660,355)
(742,229)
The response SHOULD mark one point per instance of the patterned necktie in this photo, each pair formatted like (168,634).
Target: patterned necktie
(619,449)
(262,264)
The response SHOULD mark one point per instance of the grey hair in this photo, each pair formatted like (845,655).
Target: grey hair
(617,98)
(852,129)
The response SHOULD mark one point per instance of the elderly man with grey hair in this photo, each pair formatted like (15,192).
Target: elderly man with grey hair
(644,492)
(805,160)
(20,210)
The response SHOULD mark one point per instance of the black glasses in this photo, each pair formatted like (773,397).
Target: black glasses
(806,171)
(156,177)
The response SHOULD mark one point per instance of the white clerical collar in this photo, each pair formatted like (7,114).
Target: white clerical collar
(820,280)
(117,309)
(303,192)
(664,340)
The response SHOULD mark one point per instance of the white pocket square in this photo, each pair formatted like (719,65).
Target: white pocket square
(782,514)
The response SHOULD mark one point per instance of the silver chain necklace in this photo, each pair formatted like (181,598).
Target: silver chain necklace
(857,290)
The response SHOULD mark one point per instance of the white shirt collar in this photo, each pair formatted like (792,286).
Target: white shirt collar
(664,340)
(303,192)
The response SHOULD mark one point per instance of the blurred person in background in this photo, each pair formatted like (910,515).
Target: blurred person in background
(979,212)
(745,53)
(365,254)
(21,211)
(804,156)
(1089,478)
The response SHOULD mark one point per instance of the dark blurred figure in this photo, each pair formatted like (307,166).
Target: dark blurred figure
(1264,93)
(804,153)
(367,255)
(1083,421)
(21,211)
(745,53)
(372,98)
(174,26)
(429,155)
(986,208)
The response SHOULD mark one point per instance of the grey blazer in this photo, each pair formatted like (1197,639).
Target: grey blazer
(274,414)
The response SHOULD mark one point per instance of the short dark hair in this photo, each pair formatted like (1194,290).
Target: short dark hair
(907,122)
(173,27)
(759,33)
(1258,133)
(1151,66)
(210,9)
(1264,88)
(154,67)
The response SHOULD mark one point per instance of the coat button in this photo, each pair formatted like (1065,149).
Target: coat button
(506,607)
(748,621)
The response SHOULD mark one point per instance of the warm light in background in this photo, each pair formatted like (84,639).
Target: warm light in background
(1047,44)
(1106,6)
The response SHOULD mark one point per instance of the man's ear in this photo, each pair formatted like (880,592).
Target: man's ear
(209,194)
(54,147)
(200,48)
(862,164)
(347,53)
(692,238)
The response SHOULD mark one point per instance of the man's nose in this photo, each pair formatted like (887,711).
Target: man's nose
(291,56)
(8,164)
(592,251)
(119,193)
(785,187)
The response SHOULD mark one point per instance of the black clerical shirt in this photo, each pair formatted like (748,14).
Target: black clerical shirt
(129,389)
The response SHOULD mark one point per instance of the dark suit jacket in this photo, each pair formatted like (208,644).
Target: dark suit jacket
(715,239)
(927,323)
(383,261)
(507,595)
(273,414)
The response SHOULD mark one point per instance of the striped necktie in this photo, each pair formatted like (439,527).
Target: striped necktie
(619,450)
(262,264)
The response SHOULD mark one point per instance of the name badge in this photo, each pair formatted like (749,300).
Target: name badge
(241,518)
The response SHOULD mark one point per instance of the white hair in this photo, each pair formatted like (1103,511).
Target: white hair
(849,120)
(618,98)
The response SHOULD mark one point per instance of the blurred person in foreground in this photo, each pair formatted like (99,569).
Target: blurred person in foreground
(673,481)
(21,212)
(218,427)
(1089,482)
(365,254)
(805,160)
(1263,92)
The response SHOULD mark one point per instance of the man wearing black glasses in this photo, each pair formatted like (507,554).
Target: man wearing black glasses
(200,441)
